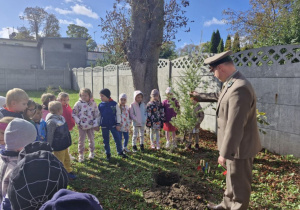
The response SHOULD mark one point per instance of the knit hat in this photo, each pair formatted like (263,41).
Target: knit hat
(66,199)
(154,92)
(35,179)
(34,147)
(2,101)
(18,134)
(105,92)
(122,95)
(169,90)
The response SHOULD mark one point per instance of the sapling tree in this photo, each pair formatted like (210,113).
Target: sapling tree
(189,80)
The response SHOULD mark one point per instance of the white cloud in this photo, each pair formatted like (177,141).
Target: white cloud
(81,23)
(63,11)
(4,32)
(83,10)
(73,1)
(214,21)
(48,8)
(76,22)
(65,22)
(78,10)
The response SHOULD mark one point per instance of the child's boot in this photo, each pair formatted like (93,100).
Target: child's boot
(167,144)
(123,155)
(142,147)
(157,146)
(91,155)
(134,148)
(108,156)
(125,149)
(80,158)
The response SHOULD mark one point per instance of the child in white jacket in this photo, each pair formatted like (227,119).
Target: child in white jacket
(138,115)
(86,116)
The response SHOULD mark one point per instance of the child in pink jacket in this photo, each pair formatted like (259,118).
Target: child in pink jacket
(86,116)
(138,114)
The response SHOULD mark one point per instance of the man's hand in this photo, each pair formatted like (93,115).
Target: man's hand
(193,93)
(222,161)
(118,128)
(97,128)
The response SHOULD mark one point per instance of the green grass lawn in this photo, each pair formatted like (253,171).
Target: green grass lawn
(121,183)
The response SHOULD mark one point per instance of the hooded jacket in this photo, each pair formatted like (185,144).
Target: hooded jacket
(138,112)
(58,135)
(86,114)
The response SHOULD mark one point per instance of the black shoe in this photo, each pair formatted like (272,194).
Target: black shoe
(108,156)
(123,155)
(197,147)
(134,148)
(142,148)
(213,206)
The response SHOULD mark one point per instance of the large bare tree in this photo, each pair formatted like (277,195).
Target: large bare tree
(36,17)
(135,31)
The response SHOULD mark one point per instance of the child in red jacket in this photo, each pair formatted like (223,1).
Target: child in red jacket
(64,99)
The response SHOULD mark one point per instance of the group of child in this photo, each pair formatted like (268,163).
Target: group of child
(54,119)
(31,176)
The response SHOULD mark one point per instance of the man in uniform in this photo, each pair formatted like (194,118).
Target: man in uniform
(238,136)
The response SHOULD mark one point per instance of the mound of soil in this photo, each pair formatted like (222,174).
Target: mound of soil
(169,190)
(177,196)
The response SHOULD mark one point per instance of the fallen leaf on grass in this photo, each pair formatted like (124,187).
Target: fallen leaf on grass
(125,190)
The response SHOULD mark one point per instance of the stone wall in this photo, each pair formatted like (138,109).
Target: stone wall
(275,75)
(34,79)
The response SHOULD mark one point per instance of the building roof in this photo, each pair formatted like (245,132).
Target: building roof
(18,42)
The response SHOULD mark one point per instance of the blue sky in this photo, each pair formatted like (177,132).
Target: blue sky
(207,16)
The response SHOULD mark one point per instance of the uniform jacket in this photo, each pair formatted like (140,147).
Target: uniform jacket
(138,112)
(155,115)
(125,118)
(238,135)
(58,135)
(86,114)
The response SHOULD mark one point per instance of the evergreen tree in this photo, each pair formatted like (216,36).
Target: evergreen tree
(221,46)
(189,80)
(218,38)
(236,43)
(228,43)
(213,43)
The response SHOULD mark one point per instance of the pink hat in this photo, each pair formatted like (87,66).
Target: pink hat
(154,92)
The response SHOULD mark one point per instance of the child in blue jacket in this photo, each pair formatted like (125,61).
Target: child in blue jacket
(110,119)
(40,124)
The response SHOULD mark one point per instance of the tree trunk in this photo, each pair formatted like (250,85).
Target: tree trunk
(144,44)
